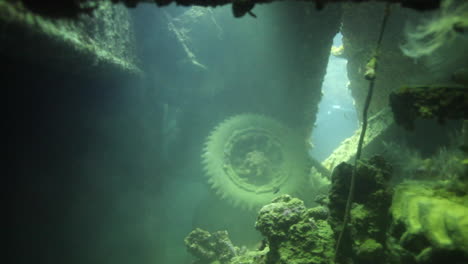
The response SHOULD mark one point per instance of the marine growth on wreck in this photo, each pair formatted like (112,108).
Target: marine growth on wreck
(236,132)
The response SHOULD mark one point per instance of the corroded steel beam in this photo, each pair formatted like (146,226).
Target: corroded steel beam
(242,7)
(414,4)
(72,8)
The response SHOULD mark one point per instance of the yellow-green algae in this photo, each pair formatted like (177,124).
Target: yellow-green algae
(439,215)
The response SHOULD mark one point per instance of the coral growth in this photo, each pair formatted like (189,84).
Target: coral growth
(364,238)
(208,247)
(295,234)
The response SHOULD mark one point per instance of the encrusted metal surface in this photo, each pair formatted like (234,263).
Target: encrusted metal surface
(250,159)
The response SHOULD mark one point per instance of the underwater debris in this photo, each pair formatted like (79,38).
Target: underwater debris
(250,159)
(428,102)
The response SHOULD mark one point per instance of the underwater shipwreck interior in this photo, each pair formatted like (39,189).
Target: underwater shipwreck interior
(235,131)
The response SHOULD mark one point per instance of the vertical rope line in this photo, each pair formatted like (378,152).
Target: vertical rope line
(363,132)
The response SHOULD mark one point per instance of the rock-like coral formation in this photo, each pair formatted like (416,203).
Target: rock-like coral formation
(427,223)
(430,224)
(294,233)
(364,238)
(208,247)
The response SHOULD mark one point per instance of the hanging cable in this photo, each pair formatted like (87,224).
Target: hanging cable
(371,69)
